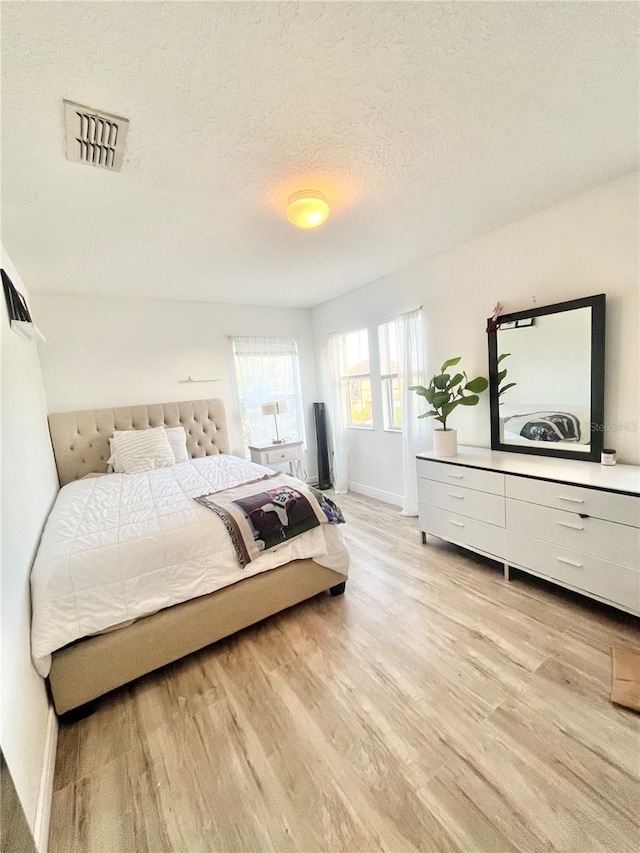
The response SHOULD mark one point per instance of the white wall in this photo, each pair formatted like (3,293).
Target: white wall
(29,486)
(115,351)
(586,245)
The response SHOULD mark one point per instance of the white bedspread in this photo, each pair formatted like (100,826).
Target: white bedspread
(122,546)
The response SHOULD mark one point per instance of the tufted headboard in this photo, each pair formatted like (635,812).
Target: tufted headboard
(81,439)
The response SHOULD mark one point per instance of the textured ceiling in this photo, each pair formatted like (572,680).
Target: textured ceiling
(425,124)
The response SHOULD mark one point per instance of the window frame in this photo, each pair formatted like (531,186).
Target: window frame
(347,378)
(387,380)
(345,381)
(388,408)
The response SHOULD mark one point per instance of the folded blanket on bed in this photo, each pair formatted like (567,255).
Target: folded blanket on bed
(264,514)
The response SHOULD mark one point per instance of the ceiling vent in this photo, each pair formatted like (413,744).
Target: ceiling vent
(94,137)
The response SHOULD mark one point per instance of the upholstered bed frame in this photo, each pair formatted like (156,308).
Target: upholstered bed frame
(84,670)
(81,439)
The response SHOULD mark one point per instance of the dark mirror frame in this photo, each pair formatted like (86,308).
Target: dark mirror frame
(598,317)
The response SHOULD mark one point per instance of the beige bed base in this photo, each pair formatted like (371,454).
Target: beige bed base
(92,667)
(89,668)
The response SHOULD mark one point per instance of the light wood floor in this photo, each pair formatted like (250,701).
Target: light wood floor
(433,707)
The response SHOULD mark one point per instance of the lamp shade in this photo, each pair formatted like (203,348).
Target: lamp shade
(282,406)
(269,408)
(307,209)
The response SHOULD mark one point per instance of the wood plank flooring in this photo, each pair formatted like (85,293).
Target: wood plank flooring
(433,707)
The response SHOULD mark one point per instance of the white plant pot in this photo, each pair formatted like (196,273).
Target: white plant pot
(445,442)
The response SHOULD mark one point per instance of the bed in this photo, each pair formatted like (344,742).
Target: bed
(132,573)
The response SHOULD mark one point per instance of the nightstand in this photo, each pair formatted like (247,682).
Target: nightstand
(273,454)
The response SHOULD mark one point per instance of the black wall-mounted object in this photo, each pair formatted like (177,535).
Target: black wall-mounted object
(16,305)
(324,472)
(597,305)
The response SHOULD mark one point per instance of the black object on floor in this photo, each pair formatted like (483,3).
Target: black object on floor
(324,472)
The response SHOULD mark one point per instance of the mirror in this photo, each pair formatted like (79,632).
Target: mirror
(546,380)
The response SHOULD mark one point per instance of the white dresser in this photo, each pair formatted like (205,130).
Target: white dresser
(574,523)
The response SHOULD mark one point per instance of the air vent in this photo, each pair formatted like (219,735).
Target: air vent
(94,137)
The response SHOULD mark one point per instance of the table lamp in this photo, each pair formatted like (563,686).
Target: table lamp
(275,409)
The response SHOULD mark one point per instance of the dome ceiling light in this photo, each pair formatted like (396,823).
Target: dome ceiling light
(307,209)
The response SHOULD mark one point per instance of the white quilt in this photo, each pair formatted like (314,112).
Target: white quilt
(122,546)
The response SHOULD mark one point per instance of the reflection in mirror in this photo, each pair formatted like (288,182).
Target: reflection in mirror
(544,381)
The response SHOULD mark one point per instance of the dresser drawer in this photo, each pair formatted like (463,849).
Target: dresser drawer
(480,505)
(614,583)
(470,478)
(461,530)
(283,455)
(607,505)
(616,543)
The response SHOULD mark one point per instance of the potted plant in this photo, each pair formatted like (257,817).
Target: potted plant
(444,394)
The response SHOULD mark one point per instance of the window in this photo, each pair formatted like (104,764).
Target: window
(389,374)
(399,340)
(370,368)
(355,378)
(267,370)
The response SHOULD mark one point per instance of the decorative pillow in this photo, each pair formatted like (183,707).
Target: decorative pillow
(178,440)
(137,450)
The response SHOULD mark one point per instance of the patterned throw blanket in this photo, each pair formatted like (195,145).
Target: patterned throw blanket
(268,512)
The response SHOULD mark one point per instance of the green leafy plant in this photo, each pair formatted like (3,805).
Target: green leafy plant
(446,392)
(501,377)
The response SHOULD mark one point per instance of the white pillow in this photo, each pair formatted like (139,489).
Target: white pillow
(178,440)
(137,450)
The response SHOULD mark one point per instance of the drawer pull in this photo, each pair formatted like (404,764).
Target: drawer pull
(571,500)
(456,476)
(457,497)
(456,523)
(572,526)
(569,562)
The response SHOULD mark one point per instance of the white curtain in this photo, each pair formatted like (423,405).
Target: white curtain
(339,437)
(267,370)
(411,366)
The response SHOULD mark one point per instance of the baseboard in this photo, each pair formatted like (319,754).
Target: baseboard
(45,793)
(379,494)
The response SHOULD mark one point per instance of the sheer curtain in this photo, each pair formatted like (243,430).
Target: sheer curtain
(339,437)
(267,370)
(411,372)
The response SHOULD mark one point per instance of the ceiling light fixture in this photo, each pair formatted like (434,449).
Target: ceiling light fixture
(307,209)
